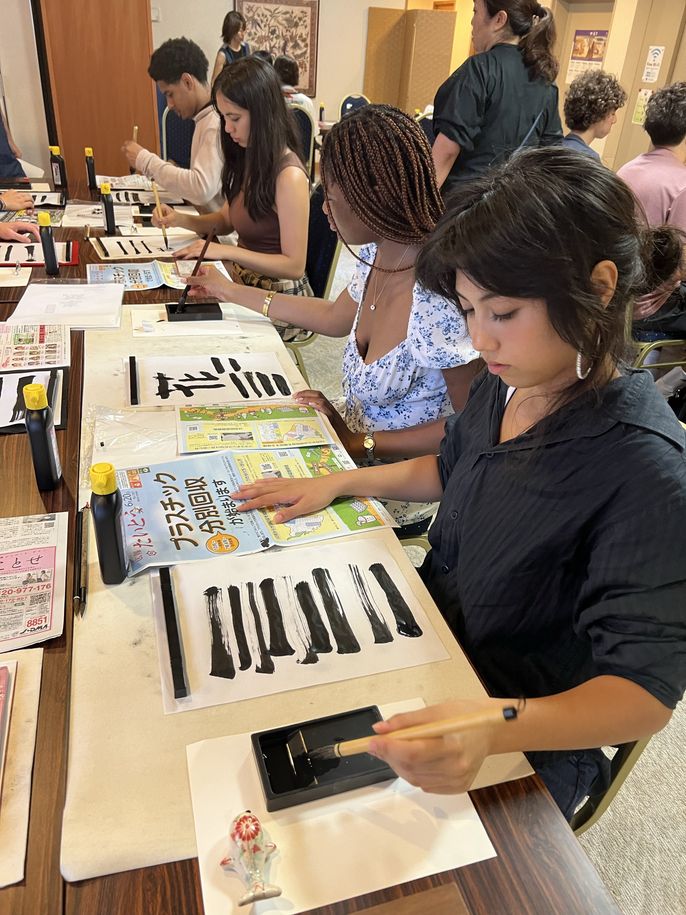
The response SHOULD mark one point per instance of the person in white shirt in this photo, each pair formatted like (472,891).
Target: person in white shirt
(289,73)
(179,67)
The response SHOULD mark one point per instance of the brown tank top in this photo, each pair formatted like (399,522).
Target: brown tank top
(260,235)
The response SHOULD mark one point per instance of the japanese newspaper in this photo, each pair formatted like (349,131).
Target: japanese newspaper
(181,510)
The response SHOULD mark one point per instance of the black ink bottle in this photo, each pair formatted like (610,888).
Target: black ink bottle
(90,169)
(107,209)
(41,430)
(58,168)
(52,267)
(106,507)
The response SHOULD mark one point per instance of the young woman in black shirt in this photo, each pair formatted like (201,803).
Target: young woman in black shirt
(557,550)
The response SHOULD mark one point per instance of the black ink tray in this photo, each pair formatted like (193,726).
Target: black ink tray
(194,311)
(288,775)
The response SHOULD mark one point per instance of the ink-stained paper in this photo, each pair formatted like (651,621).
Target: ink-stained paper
(33,563)
(198,379)
(258,625)
(250,427)
(33,346)
(182,510)
(91,214)
(124,247)
(12,404)
(358,842)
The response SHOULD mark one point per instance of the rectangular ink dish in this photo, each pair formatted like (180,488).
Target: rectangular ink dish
(290,777)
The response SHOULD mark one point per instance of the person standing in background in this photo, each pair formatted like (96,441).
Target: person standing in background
(235,46)
(590,110)
(179,67)
(501,99)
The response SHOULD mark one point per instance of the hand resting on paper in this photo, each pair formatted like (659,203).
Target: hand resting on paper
(207,282)
(294,497)
(10,231)
(214,252)
(353,442)
(16,200)
(439,765)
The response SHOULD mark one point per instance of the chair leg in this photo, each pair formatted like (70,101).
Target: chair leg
(297,358)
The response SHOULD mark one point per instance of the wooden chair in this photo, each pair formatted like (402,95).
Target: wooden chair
(644,347)
(323,251)
(595,806)
(176,134)
(351,103)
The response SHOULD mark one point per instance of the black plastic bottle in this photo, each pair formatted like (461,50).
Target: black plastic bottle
(52,267)
(107,209)
(58,169)
(41,430)
(106,508)
(90,169)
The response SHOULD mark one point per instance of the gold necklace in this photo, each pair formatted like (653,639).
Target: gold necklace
(379,292)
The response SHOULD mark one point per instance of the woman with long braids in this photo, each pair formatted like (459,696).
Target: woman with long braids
(409,360)
(559,590)
(264,181)
(503,97)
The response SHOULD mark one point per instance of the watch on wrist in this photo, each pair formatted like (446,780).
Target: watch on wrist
(369,445)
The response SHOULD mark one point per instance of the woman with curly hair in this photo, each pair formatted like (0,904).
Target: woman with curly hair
(590,110)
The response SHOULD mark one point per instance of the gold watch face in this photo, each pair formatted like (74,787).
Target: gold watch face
(368,442)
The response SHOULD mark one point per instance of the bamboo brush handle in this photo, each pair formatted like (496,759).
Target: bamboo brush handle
(430,729)
(159,210)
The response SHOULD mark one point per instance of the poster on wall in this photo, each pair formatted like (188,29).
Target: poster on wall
(289,28)
(651,71)
(639,114)
(588,52)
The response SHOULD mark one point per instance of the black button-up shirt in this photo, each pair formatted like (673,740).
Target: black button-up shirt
(559,556)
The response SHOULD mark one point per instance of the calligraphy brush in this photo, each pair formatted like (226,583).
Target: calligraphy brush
(184,295)
(430,729)
(159,213)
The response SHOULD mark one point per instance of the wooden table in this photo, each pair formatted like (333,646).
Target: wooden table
(540,868)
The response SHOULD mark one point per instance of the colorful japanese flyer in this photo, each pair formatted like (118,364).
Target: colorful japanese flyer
(33,562)
(182,510)
(249,427)
(33,346)
(146,276)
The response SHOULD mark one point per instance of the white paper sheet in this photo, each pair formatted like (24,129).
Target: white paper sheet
(33,568)
(74,304)
(16,794)
(8,677)
(151,321)
(211,379)
(349,641)
(331,849)
(123,248)
(90,214)
(12,276)
(131,182)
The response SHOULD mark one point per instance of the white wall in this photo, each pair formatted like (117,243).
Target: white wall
(21,80)
(342,39)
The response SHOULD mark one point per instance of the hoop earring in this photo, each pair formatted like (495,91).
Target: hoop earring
(582,376)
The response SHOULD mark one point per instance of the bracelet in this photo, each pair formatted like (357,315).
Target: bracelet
(267,302)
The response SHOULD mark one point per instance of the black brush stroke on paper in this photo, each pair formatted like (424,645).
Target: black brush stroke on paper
(235,364)
(293,613)
(279,646)
(218,365)
(250,378)
(19,408)
(266,384)
(380,630)
(319,634)
(406,623)
(281,383)
(240,387)
(221,660)
(346,643)
(266,665)
(244,657)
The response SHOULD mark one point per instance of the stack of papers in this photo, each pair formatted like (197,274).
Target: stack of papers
(73,304)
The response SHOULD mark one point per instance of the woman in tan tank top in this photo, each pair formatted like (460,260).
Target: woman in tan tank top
(264,182)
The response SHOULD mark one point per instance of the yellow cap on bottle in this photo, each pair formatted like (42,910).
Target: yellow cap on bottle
(103,479)
(54,149)
(88,150)
(105,187)
(35,397)
(43,218)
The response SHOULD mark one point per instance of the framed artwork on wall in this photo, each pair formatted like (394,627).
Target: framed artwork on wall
(289,27)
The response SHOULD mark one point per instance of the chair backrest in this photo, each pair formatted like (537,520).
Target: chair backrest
(622,763)
(426,122)
(176,134)
(351,103)
(323,247)
(305,124)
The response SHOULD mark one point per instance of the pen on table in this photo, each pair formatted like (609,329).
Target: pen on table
(184,295)
(159,213)
(78,541)
(83,577)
